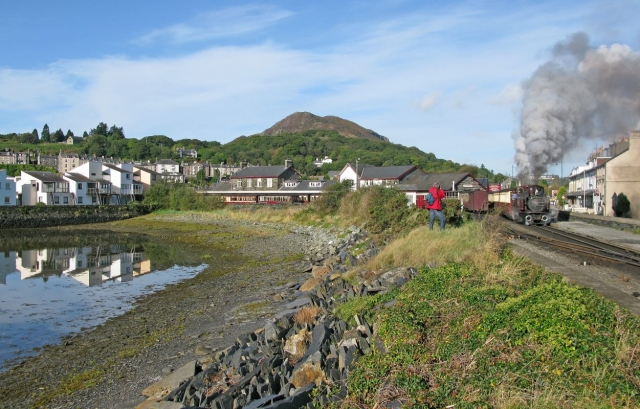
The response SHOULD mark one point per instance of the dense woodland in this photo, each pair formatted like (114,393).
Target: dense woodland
(303,148)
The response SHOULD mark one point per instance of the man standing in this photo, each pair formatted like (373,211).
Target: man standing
(435,209)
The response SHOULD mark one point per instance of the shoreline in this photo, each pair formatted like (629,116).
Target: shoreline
(110,365)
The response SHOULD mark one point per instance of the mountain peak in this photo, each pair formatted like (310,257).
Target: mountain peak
(304,121)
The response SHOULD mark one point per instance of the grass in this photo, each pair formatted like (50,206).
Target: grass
(480,328)
(306,315)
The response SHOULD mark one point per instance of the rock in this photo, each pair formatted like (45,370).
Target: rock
(308,372)
(169,383)
(300,302)
(319,271)
(202,350)
(310,284)
(296,346)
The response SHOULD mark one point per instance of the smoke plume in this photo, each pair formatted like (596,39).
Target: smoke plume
(581,93)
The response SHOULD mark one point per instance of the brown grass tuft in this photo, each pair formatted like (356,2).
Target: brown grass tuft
(306,315)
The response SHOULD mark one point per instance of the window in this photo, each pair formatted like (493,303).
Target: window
(315,184)
(79,263)
(6,200)
(56,199)
(269,182)
(79,186)
(239,184)
(65,200)
(259,183)
(7,185)
(249,183)
(93,174)
(79,200)
(128,176)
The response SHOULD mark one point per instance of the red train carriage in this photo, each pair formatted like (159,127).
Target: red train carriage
(524,204)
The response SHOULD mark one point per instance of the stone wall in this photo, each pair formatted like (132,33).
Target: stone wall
(18,217)
(620,223)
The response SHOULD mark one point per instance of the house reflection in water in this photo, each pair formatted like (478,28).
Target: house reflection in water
(91,266)
(7,265)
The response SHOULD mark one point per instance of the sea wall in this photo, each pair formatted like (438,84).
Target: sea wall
(20,217)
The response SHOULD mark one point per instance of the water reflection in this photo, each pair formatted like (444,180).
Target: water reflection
(89,265)
(47,293)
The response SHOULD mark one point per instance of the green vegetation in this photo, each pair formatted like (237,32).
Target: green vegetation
(303,148)
(622,205)
(174,196)
(478,327)
(14,170)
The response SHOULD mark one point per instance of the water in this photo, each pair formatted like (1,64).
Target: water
(49,292)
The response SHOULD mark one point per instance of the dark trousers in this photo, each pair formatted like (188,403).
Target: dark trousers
(432,217)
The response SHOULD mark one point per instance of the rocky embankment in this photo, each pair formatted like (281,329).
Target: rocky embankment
(296,354)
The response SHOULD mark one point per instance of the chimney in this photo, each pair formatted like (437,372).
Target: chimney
(288,163)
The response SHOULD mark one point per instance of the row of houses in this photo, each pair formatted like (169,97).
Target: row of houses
(594,187)
(275,184)
(104,183)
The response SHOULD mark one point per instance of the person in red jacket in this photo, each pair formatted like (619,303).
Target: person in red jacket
(436,208)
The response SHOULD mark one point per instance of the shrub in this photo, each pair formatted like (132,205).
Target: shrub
(329,202)
(622,205)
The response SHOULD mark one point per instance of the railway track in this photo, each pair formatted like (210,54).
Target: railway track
(579,244)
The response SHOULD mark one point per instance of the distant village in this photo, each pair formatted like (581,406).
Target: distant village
(90,180)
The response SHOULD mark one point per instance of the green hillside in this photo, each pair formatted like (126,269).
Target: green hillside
(302,147)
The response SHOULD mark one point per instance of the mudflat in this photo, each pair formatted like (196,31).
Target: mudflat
(251,265)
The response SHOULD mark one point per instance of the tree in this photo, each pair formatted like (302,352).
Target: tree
(114,133)
(101,129)
(562,191)
(45,136)
(621,205)
(69,133)
(35,134)
(58,136)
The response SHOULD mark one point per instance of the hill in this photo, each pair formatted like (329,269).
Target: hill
(305,121)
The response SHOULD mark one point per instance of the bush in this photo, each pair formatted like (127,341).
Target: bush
(329,202)
(173,196)
(622,205)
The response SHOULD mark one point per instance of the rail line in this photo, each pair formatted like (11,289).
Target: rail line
(577,243)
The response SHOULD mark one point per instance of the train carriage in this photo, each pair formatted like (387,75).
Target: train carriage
(524,204)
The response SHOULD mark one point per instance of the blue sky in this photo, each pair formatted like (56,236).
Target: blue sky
(443,76)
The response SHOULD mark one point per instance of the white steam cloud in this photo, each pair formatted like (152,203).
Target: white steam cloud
(581,93)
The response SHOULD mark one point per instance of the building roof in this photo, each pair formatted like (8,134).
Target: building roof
(76,177)
(146,170)
(386,172)
(167,162)
(423,182)
(114,167)
(44,176)
(260,172)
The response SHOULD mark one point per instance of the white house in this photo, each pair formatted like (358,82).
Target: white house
(42,187)
(116,184)
(83,191)
(7,189)
(169,171)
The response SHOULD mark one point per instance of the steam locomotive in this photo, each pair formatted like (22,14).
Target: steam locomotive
(524,204)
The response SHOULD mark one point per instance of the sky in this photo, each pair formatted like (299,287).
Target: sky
(443,76)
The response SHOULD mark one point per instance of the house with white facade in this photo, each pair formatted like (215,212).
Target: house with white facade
(83,190)
(169,170)
(116,184)
(7,189)
(42,187)
(353,173)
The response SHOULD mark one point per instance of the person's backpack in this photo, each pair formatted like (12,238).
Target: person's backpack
(430,199)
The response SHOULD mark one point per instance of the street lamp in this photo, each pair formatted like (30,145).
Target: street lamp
(357,183)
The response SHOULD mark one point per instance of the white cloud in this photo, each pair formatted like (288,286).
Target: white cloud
(509,95)
(226,23)
(428,101)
